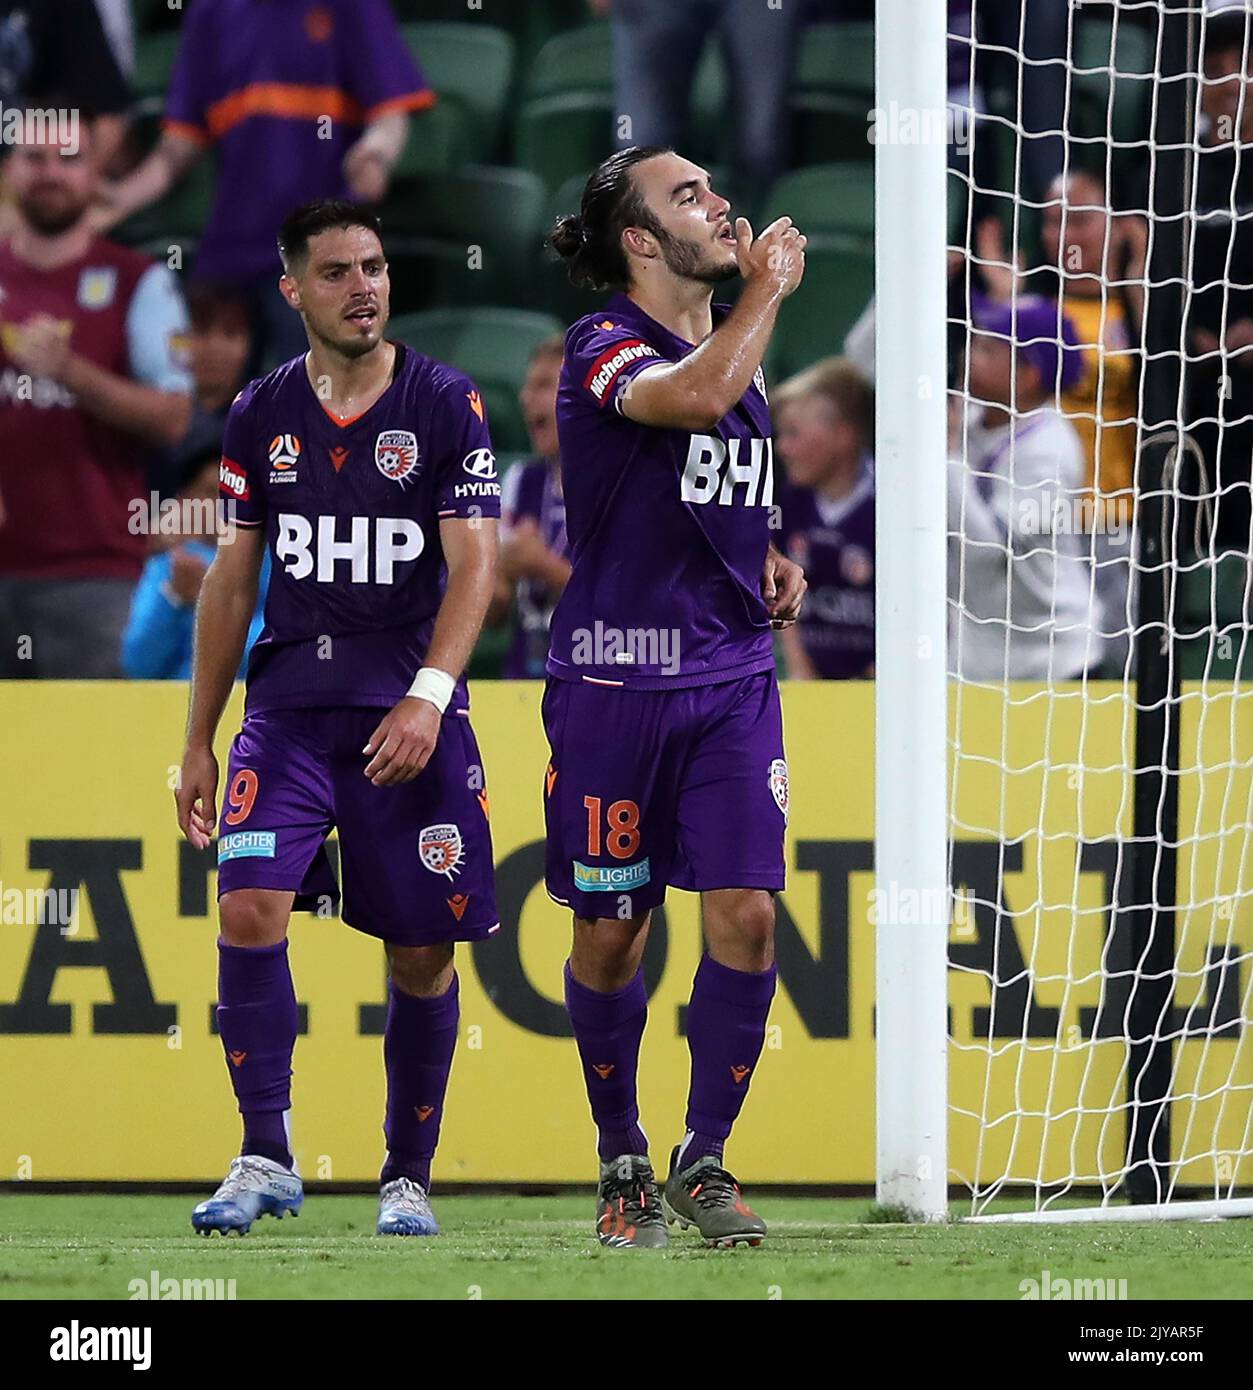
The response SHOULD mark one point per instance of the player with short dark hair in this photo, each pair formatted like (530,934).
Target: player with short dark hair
(365,468)
(662,707)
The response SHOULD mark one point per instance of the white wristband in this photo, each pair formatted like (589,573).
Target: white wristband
(434,685)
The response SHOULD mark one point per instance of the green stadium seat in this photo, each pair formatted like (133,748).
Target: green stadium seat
(826,199)
(440,139)
(431,225)
(154,62)
(578,60)
(837,57)
(493,347)
(470,66)
(559,136)
(829,127)
(839,282)
(1133,60)
(1213,639)
(530,24)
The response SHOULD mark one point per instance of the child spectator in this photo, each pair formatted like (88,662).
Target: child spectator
(157,643)
(824,426)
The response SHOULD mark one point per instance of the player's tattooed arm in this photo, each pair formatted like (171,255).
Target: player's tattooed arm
(228,599)
(697,392)
(783,587)
(405,739)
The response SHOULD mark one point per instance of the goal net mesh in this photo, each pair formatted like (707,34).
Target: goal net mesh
(1100,325)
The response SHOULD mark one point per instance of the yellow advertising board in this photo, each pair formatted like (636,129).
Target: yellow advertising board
(112,1071)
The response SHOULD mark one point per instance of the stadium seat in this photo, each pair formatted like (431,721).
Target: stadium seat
(490,345)
(827,199)
(470,66)
(558,136)
(829,127)
(836,57)
(154,62)
(577,60)
(432,224)
(839,281)
(440,139)
(1134,64)
(530,24)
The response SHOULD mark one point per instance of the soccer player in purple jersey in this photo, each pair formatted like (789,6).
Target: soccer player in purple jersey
(661,707)
(366,470)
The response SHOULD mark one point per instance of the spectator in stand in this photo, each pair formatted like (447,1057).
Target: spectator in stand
(1220,306)
(657,45)
(1093,260)
(533,546)
(92,371)
(298,102)
(220,348)
(157,644)
(824,427)
(54,53)
(1020,580)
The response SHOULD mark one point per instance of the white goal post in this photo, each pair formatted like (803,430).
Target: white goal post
(1064,740)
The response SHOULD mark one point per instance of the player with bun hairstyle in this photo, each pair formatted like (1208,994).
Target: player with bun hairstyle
(661,706)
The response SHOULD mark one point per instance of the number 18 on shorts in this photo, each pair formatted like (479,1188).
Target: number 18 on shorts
(649,789)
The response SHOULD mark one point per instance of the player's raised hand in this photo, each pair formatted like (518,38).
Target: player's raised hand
(401,745)
(775,258)
(196,796)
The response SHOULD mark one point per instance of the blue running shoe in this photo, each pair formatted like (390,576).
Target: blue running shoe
(405,1209)
(252,1187)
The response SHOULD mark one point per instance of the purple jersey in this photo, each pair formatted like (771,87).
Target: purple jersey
(282,89)
(352,515)
(668,528)
(833,542)
(532,492)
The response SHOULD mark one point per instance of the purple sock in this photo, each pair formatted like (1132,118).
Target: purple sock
(257,1020)
(608,1029)
(726,1029)
(418,1043)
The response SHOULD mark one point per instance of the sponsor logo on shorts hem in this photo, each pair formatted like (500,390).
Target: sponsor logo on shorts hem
(247,844)
(611,878)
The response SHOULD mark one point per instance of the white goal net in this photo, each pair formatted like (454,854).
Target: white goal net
(1100,773)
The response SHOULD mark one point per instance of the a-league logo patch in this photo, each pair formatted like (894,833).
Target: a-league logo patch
(440,849)
(778,785)
(396,454)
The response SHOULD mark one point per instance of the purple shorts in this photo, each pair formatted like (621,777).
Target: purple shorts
(415,859)
(647,789)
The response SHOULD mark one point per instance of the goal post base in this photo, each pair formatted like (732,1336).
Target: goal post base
(1213,1210)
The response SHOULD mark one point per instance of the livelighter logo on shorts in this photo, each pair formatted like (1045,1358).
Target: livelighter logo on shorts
(611,878)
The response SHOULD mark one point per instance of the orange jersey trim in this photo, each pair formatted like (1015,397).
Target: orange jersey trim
(343,421)
(188,131)
(294,101)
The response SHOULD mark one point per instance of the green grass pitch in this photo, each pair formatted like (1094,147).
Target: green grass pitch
(91,1247)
